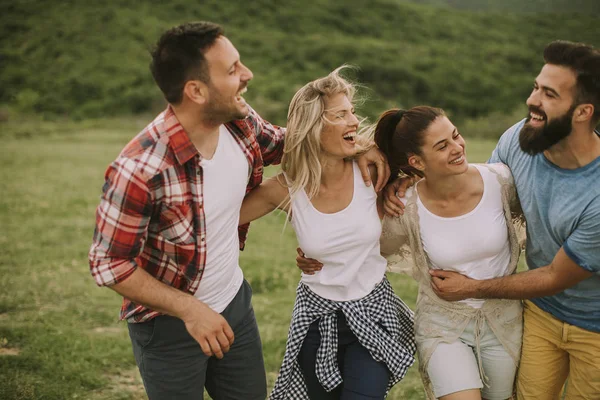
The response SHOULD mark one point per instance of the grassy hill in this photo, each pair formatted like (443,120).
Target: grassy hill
(520,6)
(90,59)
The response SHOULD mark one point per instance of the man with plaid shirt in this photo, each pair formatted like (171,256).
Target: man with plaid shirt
(167,235)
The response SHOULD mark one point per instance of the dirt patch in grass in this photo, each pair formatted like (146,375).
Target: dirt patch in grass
(110,330)
(8,351)
(128,381)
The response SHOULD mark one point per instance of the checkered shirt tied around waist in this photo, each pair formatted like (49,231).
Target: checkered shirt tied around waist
(151,212)
(382,323)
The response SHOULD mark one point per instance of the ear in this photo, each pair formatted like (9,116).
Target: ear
(416,162)
(583,113)
(196,91)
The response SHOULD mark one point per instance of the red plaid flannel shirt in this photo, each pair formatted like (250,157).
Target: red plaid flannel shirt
(151,215)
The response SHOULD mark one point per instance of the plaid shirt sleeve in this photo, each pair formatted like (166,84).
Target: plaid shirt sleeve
(270,138)
(121,223)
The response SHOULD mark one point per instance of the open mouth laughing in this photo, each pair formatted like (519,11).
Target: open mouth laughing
(536,117)
(239,98)
(350,137)
(458,160)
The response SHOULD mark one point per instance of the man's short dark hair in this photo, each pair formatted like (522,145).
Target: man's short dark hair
(584,60)
(179,57)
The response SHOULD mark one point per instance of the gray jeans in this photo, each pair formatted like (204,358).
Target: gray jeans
(173,365)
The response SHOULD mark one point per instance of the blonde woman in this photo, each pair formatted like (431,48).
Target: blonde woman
(350,336)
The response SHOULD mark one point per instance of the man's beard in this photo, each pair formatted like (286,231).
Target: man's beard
(535,140)
(223,109)
(222,112)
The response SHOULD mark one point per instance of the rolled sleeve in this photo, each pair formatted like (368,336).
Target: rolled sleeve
(122,219)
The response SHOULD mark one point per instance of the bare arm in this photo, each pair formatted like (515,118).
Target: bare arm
(208,327)
(559,275)
(372,156)
(392,205)
(263,199)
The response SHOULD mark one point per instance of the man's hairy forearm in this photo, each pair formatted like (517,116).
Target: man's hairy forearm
(140,287)
(208,328)
(524,285)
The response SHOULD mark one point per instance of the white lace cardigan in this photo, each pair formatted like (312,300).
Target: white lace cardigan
(437,320)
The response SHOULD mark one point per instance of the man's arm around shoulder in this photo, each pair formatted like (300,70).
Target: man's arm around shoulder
(559,275)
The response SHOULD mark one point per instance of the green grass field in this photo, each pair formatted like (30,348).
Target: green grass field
(59,334)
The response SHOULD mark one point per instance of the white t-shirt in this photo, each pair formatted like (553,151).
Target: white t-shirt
(346,242)
(474,244)
(225,178)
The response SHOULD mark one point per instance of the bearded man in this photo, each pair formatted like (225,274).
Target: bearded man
(554,156)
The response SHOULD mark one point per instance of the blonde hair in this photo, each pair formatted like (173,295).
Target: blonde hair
(301,160)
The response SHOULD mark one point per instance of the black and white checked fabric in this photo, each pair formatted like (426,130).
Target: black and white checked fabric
(394,345)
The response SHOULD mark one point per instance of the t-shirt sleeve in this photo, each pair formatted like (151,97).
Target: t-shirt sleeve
(583,245)
(505,147)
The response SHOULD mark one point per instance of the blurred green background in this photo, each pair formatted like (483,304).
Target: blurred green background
(75,87)
(81,59)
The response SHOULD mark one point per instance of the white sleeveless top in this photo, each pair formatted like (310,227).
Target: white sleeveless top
(474,244)
(346,242)
(225,179)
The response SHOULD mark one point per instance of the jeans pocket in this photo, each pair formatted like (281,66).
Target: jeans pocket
(143,332)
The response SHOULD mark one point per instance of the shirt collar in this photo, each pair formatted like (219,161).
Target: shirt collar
(180,143)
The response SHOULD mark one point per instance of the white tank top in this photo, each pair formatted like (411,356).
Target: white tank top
(225,179)
(346,242)
(474,244)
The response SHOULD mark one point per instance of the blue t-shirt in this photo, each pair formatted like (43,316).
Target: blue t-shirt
(562,208)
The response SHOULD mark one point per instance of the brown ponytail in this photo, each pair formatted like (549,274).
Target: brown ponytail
(399,133)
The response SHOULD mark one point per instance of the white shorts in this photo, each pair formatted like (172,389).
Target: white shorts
(453,366)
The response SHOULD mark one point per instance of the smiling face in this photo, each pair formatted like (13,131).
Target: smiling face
(443,150)
(228,82)
(339,127)
(551,107)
